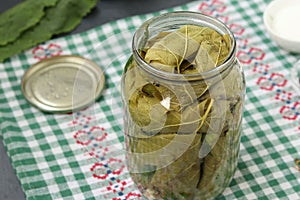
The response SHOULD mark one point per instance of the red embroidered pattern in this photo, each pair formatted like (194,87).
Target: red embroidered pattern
(253,56)
(106,168)
(46,51)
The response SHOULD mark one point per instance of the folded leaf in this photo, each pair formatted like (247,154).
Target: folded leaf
(197,49)
(212,162)
(170,53)
(179,176)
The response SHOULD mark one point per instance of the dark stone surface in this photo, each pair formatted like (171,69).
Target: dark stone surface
(106,11)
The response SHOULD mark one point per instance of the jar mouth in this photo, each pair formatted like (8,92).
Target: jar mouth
(165,22)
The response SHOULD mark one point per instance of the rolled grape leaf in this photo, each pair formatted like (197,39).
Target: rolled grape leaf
(207,56)
(185,121)
(152,91)
(62,18)
(156,110)
(179,178)
(154,40)
(162,67)
(214,149)
(200,33)
(172,145)
(225,89)
(170,53)
(142,108)
(197,49)
(21,17)
(159,150)
(215,126)
(212,162)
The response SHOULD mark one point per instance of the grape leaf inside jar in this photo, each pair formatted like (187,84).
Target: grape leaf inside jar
(201,114)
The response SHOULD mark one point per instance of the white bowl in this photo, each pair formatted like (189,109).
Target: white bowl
(282,19)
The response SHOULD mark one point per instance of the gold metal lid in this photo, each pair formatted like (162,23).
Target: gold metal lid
(63,84)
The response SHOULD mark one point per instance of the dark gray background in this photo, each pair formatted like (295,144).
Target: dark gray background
(106,10)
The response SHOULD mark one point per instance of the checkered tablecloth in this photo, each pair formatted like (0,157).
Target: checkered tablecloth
(81,155)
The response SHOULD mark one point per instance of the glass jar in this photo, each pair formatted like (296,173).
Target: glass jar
(182,127)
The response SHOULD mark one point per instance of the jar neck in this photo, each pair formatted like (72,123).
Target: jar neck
(173,21)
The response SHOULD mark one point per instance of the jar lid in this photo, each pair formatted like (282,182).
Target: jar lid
(63,84)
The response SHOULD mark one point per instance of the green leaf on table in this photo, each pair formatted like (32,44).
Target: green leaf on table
(19,18)
(62,18)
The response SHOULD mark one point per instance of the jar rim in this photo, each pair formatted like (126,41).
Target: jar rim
(193,18)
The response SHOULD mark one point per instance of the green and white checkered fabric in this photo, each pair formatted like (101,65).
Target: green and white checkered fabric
(81,156)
